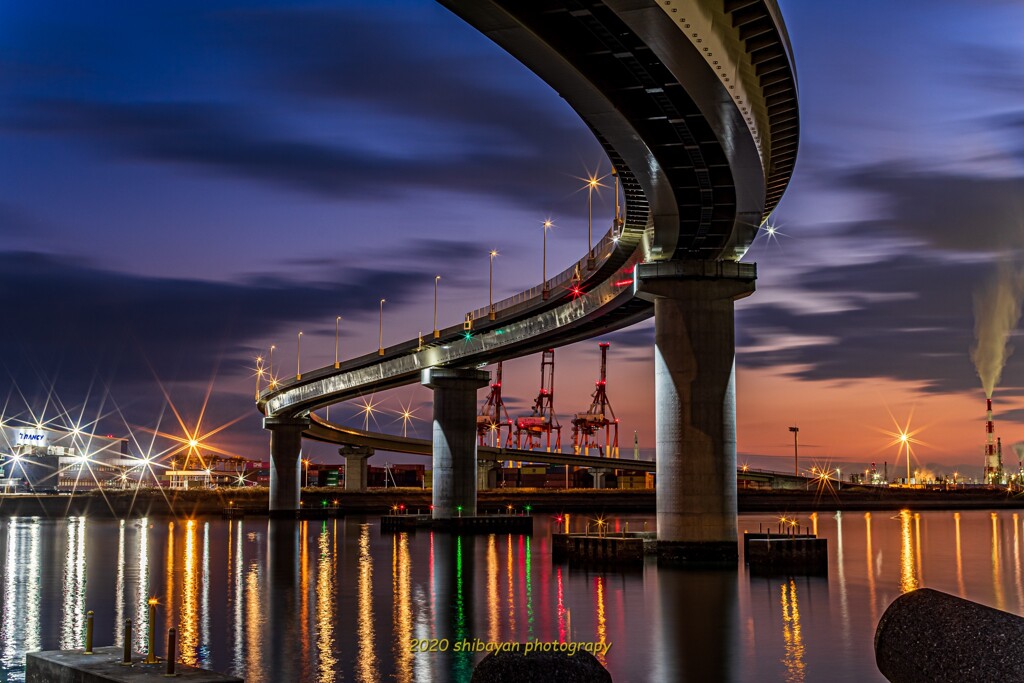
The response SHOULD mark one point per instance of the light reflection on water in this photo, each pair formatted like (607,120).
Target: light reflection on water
(339,600)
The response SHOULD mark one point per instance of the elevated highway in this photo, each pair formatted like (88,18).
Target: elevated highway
(695,103)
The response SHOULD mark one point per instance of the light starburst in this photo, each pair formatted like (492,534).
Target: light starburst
(369,408)
(407,415)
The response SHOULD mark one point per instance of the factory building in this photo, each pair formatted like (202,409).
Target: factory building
(45,459)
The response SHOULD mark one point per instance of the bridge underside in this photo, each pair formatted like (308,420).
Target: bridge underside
(695,102)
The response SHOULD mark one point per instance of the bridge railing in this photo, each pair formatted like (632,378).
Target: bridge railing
(600,253)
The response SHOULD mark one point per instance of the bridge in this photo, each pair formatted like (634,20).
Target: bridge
(695,104)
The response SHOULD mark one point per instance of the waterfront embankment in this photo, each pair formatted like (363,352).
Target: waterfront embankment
(253,500)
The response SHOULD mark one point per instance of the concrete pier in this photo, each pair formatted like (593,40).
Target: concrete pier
(599,474)
(455,463)
(355,466)
(73,666)
(695,405)
(487,475)
(285,463)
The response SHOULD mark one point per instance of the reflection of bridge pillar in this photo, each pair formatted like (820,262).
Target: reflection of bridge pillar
(281,595)
(695,404)
(688,649)
(599,474)
(355,466)
(455,475)
(487,475)
(285,461)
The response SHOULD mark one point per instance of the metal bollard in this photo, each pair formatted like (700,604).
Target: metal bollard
(88,633)
(172,652)
(126,659)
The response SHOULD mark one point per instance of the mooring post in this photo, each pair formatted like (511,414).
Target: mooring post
(172,652)
(126,659)
(88,633)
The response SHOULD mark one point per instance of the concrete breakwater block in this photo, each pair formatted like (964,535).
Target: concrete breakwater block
(929,636)
(481,524)
(72,666)
(540,667)
(606,549)
(807,555)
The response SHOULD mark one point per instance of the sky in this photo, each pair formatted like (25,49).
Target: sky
(184,183)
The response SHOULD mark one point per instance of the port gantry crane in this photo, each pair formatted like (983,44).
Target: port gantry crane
(538,426)
(587,427)
(490,423)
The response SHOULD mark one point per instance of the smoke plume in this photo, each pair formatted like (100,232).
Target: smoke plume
(996,312)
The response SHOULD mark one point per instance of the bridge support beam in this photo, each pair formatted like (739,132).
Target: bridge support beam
(695,405)
(599,474)
(355,466)
(487,475)
(285,463)
(455,464)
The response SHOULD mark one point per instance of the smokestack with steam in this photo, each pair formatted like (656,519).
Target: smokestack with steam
(996,312)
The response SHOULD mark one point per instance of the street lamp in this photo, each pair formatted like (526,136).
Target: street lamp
(380,345)
(337,329)
(437,332)
(259,375)
(544,272)
(273,381)
(593,182)
(298,358)
(796,458)
(618,217)
(490,287)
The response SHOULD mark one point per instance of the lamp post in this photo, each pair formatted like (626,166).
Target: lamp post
(437,332)
(298,358)
(490,287)
(380,345)
(796,458)
(273,382)
(544,267)
(592,183)
(618,217)
(337,330)
(259,375)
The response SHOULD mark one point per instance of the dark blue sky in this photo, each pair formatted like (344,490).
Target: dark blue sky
(184,183)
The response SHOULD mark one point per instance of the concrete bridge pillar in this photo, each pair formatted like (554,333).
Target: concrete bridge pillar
(599,474)
(695,405)
(355,466)
(455,464)
(285,462)
(487,475)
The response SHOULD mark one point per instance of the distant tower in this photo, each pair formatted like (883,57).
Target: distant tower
(534,429)
(493,418)
(993,471)
(587,427)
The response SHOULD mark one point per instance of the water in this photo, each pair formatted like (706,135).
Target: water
(340,601)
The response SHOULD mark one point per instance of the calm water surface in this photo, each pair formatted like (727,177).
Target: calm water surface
(340,601)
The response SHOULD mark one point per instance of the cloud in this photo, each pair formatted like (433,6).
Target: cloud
(909,319)
(963,213)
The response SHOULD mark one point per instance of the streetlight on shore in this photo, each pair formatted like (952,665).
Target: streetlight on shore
(380,345)
(796,459)
(490,287)
(437,332)
(544,267)
(298,358)
(337,330)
